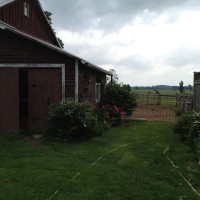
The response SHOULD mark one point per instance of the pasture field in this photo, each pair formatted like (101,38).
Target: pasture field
(163,92)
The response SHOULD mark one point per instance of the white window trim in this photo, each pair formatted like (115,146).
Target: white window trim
(98,92)
(26,9)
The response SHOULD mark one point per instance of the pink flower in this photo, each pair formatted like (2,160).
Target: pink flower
(116,109)
(122,114)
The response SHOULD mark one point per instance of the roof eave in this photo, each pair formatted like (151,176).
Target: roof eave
(7,27)
(48,23)
(3,3)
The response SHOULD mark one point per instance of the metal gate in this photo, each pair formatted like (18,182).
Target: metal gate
(152,106)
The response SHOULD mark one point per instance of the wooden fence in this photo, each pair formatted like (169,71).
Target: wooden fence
(196,90)
(183,101)
(152,106)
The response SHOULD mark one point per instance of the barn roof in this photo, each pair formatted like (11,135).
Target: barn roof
(7,27)
(4,2)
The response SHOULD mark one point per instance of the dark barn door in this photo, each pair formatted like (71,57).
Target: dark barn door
(9,99)
(44,88)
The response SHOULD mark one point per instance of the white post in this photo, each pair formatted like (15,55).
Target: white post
(76,79)
(63,82)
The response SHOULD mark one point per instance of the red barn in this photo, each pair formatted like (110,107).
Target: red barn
(35,71)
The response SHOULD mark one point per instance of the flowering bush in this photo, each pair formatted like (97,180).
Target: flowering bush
(120,95)
(73,119)
(112,114)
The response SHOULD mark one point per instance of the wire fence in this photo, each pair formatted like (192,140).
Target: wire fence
(151,106)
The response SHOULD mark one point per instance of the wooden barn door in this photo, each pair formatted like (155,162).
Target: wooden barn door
(9,99)
(44,88)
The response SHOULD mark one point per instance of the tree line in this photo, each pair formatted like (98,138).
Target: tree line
(163,87)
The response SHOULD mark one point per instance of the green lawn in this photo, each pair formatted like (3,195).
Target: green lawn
(126,163)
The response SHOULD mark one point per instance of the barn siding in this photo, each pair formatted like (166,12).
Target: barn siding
(196,90)
(87,91)
(35,25)
(9,100)
(44,89)
(15,49)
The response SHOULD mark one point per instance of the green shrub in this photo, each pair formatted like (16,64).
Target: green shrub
(179,112)
(188,126)
(195,126)
(121,96)
(183,124)
(73,119)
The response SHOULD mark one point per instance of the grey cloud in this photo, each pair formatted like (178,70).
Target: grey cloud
(183,56)
(78,14)
(100,56)
(134,62)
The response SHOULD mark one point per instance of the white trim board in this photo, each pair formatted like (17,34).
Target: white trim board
(47,65)
(76,79)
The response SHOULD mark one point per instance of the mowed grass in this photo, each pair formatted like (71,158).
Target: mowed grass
(125,163)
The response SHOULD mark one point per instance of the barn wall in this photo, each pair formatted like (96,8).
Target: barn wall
(44,88)
(9,100)
(87,82)
(35,25)
(15,49)
(196,90)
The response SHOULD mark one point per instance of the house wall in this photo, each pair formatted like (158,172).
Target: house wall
(196,90)
(35,25)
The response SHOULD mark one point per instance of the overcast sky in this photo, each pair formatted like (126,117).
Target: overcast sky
(147,42)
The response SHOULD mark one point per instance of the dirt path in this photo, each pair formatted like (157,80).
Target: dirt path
(154,112)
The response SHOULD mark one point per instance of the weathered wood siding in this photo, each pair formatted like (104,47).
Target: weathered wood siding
(35,25)
(9,100)
(196,90)
(87,83)
(44,88)
(44,84)
(15,49)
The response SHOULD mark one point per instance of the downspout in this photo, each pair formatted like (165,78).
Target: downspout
(76,79)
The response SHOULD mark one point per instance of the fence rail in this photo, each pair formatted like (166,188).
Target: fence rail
(183,101)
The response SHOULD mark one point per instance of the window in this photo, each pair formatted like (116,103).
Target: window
(26,9)
(98,92)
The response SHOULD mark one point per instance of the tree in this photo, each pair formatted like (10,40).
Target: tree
(181,87)
(190,87)
(115,77)
(48,15)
